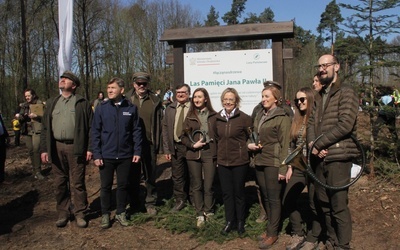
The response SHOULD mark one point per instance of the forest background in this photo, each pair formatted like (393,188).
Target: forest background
(117,38)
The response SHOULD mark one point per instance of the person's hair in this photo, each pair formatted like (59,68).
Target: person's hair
(276,93)
(193,109)
(235,93)
(301,117)
(179,86)
(335,59)
(100,92)
(118,81)
(33,93)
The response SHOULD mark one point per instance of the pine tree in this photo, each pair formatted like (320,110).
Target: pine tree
(368,25)
(237,8)
(212,18)
(329,23)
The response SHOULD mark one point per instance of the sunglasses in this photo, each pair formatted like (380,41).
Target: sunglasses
(141,83)
(301,99)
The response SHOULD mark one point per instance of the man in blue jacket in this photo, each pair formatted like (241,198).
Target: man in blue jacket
(117,141)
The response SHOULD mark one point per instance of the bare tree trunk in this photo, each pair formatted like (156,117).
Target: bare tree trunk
(24,47)
(371,82)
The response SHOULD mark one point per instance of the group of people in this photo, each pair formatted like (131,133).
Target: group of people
(218,143)
(124,133)
(324,119)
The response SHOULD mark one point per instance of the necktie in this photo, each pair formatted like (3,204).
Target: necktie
(179,125)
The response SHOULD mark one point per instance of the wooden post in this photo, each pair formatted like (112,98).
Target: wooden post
(179,50)
(277,62)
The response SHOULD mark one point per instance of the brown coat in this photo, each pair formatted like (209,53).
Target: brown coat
(156,118)
(335,122)
(231,137)
(191,124)
(168,123)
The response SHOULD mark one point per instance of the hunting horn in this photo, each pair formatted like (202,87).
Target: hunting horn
(296,159)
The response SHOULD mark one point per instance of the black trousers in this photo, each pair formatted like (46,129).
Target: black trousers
(17,137)
(232,181)
(122,168)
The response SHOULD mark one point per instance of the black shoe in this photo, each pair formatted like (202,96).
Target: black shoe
(240,228)
(179,205)
(228,227)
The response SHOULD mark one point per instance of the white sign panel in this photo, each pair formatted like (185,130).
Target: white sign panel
(244,70)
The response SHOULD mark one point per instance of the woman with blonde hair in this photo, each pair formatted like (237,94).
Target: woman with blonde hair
(231,134)
(273,125)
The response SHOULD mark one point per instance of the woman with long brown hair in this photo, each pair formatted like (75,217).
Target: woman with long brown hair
(295,178)
(201,153)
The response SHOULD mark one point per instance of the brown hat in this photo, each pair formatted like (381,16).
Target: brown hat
(272,83)
(143,76)
(68,74)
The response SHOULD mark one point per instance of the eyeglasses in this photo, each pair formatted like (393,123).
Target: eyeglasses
(301,99)
(325,65)
(181,92)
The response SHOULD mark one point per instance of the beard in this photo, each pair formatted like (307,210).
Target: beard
(326,80)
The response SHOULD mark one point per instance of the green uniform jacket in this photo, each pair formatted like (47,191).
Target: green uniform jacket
(274,136)
(156,119)
(83,121)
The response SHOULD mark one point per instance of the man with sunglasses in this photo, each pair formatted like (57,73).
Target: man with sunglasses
(150,113)
(333,118)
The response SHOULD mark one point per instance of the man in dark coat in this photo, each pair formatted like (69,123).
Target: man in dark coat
(65,142)
(150,112)
(334,119)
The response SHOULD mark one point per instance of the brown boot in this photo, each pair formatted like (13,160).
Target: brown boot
(263,236)
(268,242)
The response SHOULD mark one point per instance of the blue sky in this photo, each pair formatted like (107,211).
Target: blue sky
(307,13)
